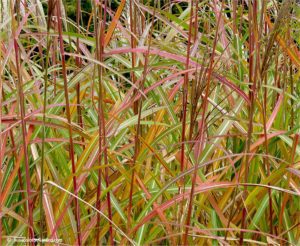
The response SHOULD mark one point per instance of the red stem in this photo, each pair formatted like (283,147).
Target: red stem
(24,133)
(139,111)
(101,121)
(202,127)
(135,109)
(78,61)
(71,151)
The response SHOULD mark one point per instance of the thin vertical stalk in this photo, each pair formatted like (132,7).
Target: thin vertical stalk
(202,127)
(24,133)
(23,125)
(184,113)
(54,48)
(135,107)
(252,95)
(196,87)
(100,38)
(292,93)
(265,103)
(185,91)
(100,98)
(283,86)
(132,14)
(98,201)
(139,112)
(78,61)
(266,159)
(71,151)
(234,17)
(51,7)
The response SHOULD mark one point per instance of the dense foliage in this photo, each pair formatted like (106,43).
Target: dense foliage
(150,122)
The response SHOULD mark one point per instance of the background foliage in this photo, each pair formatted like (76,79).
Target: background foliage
(150,122)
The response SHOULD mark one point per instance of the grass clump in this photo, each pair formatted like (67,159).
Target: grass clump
(150,122)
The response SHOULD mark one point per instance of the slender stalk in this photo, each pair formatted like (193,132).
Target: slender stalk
(24,133)
(132,15)
(135,108)
(292,92)
(101,119)
(51,7)
(252,96)
(265,98)
(202,124)
(71,151)
(98,46)
(23,127)
(185,91)
(184,114)
(139,112)
(78,61)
